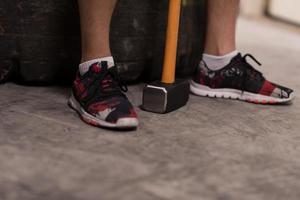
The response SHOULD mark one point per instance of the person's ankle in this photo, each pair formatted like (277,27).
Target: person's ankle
(90,56)
(84,66)
(219,50)
(214,62)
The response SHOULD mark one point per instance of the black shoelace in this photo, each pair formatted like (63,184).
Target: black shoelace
(112,80)
(250,70)
(250,66)
(107,84)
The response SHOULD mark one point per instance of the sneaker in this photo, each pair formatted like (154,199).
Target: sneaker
(239,80)
(99,100)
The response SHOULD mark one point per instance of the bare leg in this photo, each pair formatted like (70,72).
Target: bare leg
(221,28)
(107,105)
(95,17)
(225,73)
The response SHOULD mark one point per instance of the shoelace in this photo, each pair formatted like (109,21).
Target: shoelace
(107,83)
(250,70)
(254,59)
(112,79)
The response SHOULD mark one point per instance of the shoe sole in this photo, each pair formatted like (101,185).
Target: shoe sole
(205,91)
(123,123)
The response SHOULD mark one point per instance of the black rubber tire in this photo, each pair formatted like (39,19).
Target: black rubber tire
(46,38)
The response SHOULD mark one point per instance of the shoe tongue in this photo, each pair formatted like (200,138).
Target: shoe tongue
(237,57)
(98,67)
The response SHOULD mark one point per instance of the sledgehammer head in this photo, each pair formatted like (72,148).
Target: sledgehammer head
(162,98)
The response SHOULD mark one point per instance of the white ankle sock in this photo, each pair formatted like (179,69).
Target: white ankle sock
(218,62)
(84,67)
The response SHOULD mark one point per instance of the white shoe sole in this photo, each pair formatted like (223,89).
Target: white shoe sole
(202,90)
(123,123)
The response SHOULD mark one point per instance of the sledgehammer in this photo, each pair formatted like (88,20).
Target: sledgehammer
(168,94)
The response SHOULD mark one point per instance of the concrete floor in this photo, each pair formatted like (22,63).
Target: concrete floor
(211,149)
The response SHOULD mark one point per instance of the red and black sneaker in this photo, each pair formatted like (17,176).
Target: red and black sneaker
(239,80)
(99,99)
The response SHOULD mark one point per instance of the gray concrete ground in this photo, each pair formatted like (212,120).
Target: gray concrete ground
(210,149)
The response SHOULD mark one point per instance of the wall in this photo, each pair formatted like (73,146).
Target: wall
(40,38)
(253,8)
(287,10)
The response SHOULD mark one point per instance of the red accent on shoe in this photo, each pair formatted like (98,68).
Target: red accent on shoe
(88,121)
(133,114)
(267,89)
(96,68)
(98,107)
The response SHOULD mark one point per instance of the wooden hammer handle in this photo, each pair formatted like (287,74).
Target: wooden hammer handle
(169,66)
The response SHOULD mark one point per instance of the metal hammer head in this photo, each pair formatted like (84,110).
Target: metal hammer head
(162,98)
